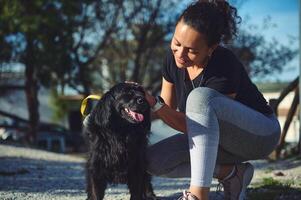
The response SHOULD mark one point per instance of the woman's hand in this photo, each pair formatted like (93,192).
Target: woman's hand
(150,98)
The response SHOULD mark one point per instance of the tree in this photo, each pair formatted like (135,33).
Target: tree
(261,58)
(39,35)
(57,41)
(137,50)
(90,45)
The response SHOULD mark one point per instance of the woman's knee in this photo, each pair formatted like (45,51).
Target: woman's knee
(199,98)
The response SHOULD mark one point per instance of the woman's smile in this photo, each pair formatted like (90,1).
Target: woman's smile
(181,61)
(189,47)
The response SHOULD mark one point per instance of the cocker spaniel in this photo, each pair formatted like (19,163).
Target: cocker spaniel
(117,130)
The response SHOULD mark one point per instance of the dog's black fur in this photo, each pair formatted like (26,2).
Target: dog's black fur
(118,139)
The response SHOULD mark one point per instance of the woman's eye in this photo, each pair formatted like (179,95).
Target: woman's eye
(192,51)
(176,43)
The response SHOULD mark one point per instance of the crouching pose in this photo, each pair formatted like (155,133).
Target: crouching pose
(207,95)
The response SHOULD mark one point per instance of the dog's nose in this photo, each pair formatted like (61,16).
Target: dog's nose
(140,100)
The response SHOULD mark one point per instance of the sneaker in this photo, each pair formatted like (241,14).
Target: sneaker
(187,196)
(236,185)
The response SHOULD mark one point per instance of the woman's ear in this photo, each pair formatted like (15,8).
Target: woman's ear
(211,49)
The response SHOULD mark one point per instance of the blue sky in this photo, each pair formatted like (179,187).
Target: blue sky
(285,15)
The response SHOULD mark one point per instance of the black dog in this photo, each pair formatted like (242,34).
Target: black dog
(118,129)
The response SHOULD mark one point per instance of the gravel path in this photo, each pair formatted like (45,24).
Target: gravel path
(35,174)
(39,175)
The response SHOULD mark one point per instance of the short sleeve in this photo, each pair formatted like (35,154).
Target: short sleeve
(168,68)
(225,73)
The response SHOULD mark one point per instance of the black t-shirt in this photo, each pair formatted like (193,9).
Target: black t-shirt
(224,73)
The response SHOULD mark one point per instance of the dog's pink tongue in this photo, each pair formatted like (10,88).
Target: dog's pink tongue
(137,116)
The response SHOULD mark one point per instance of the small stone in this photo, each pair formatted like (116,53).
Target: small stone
(279,174)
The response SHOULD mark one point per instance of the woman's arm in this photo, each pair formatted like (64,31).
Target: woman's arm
(173,118)
(168,93)
(168,112)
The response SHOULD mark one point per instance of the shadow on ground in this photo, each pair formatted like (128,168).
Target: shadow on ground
(30,175)
(274,191)
(176,196)
(30,178)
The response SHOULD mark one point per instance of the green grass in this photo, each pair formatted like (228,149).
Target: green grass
(270,189)
(271,86)
(268,170)
(271,183)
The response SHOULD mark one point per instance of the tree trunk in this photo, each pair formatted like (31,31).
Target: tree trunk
(31,91)
(83,77)
(145,29)
(287,123)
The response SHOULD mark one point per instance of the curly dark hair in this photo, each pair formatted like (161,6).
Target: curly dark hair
(117,132)
(216,19)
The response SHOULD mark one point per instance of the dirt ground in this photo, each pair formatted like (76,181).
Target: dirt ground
(34,174)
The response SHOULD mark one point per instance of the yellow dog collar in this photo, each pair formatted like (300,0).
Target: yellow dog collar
(85,101)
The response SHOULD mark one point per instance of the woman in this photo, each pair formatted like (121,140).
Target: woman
(207,94)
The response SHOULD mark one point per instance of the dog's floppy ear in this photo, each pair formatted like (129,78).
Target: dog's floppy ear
(103,110)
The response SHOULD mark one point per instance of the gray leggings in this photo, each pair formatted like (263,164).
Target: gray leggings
(219,131)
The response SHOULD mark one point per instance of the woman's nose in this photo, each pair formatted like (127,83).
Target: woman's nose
(181,52)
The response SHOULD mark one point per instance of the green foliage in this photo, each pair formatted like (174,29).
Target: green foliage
(271,188)
(260,56)
(59,108)
(271,183)
(271,86)
(92,44)
(268,170)
(42,33)
(137,49)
